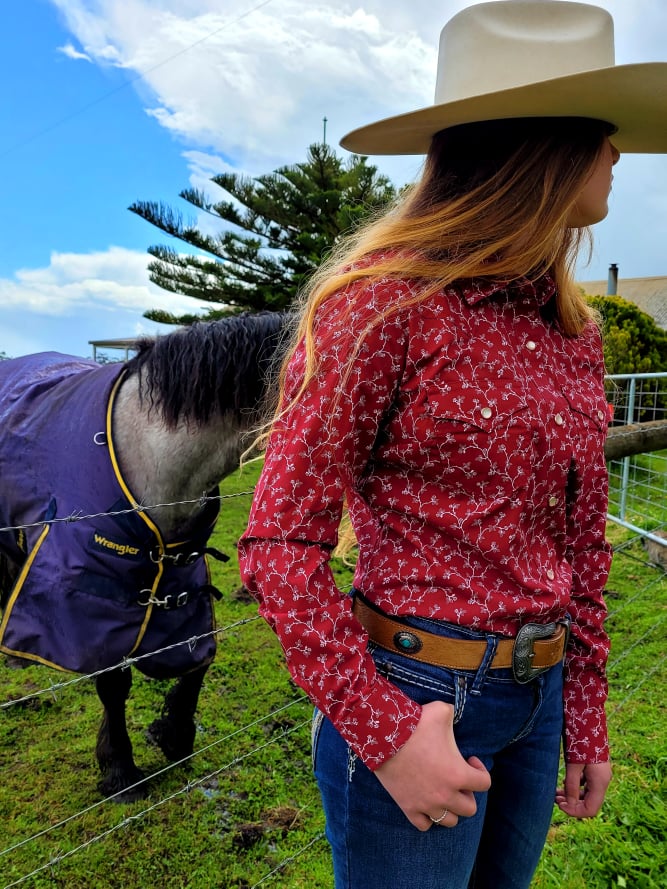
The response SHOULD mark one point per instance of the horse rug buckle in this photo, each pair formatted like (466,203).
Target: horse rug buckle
(524,652)
(171,600)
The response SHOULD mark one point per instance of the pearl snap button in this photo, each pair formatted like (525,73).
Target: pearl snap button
(487,413)
(553,500)
(531,345)
(550,574)
(558,420)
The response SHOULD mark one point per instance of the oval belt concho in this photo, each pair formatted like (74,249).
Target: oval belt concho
(407,643)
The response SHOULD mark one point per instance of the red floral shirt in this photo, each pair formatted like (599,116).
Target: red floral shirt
(466,435)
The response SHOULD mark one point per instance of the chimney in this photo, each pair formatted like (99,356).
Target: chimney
(612,280)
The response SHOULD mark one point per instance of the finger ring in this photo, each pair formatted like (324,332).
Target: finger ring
(441,818)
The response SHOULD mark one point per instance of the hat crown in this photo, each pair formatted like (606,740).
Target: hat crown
(510,43)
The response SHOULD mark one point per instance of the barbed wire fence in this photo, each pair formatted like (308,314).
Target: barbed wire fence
(299,703)
(56,688)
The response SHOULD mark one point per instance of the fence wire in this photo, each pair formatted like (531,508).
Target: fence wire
(137,816)
(172,765)
(638,484)
(80,516)
(638,491)
(654,588)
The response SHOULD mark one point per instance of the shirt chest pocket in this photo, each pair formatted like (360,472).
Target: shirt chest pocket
(589,420)
(592,407)
(482,436)
(469,410)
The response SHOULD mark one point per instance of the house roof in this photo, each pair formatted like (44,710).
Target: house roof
(648,294)
(127,344)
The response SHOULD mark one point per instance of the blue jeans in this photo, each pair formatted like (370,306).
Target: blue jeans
(514,729)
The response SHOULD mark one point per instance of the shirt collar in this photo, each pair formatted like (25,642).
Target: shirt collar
(538,291)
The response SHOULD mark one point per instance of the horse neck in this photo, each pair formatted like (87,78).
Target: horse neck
(171,466)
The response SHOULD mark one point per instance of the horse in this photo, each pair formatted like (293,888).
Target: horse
(104,526)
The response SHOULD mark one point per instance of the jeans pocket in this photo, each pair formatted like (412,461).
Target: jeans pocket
(422,682)
(315,729)
(460,696)
(538,697)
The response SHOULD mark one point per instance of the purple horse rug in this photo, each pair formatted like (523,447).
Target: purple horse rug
(95,590)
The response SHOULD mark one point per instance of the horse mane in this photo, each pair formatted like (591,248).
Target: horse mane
(210,367)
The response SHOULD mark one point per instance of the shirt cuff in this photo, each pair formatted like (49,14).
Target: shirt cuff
(380,724)
(586,738)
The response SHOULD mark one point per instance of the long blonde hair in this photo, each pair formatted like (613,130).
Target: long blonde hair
(492,201)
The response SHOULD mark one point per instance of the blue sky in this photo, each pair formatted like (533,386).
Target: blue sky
(108,101)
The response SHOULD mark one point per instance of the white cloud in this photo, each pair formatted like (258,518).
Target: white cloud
(204,166)
(252,83)
(255,86)
(80,297)
(114,279)
(72,53)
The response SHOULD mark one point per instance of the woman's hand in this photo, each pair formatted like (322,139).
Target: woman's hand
(429,775)
(584,788)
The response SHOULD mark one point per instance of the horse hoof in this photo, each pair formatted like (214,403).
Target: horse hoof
(124,788)
(174,743)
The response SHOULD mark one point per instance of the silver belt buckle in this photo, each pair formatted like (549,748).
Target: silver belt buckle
(523,651)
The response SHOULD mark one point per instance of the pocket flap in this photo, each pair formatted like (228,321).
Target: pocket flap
(590,405)
(481,406)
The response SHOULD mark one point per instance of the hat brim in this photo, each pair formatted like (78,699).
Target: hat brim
(631,97)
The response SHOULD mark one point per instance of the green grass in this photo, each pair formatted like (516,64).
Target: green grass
(625,845)
(246,811)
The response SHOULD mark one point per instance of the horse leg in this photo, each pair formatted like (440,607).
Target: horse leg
(174,731)
(9,571)
(114,749)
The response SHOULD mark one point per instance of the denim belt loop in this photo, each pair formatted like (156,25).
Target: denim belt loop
(485,666)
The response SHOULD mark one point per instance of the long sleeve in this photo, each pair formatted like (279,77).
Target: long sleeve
(590,557)
(317,455)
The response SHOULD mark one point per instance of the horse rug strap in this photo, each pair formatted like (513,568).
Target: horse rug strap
(75,604)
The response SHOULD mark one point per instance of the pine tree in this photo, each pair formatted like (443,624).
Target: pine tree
(277,228)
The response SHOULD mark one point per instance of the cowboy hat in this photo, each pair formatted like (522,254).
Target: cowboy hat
(530,58)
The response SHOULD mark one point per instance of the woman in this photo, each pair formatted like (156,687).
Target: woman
(446,384)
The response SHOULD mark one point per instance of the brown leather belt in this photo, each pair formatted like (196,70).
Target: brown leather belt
(462,654)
